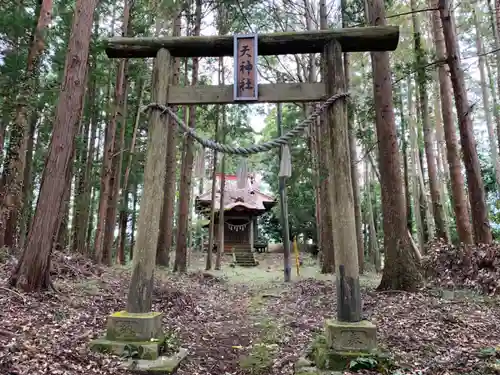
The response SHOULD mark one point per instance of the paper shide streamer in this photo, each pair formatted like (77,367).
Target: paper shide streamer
(286,162)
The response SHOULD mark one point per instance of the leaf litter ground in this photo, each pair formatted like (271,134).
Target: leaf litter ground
(223,316)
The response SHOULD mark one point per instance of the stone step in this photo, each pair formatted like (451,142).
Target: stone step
(244,258)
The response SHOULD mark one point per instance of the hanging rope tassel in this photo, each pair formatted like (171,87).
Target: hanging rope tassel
(286,162)
(199,163)
(242,175)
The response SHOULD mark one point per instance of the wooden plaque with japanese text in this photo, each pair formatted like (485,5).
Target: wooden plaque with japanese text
(245,67)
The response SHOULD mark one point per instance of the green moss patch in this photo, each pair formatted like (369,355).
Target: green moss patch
(125,314)
(324,358)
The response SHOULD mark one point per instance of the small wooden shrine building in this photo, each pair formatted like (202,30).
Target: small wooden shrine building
(242,207)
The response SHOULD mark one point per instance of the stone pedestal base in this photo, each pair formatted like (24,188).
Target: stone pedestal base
(161,365)
(341,343)
(356,337)
(140,339)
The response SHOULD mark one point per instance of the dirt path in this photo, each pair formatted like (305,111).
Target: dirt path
(243,321)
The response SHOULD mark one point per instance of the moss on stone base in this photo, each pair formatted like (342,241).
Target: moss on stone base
(129,349)
(162,365)
(125,314)
(324,358)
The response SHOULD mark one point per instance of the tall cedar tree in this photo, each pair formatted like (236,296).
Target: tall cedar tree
(459,198)
(400,271)
(477,197)
(32,271)
(180,263)
(13,173)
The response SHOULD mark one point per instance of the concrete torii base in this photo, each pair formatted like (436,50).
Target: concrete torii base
(341,343)
(140,338)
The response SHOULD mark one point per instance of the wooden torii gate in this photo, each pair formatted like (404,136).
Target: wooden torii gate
(332,43)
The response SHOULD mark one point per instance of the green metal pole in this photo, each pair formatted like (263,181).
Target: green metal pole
(284,207)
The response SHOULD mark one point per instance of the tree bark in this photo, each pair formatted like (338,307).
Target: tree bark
(211,226)
(477,197)
(183,224)
(165,235)
(32,272)
(400,271)
(464,229)
(420,60)
(126,182)
(115,159)
(486,102)
(107,158)
(27,198)
(11,203)
(416,186)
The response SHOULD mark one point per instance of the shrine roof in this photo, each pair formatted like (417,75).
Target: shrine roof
(249,198)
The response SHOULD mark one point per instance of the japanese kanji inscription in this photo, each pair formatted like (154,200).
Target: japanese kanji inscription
(245,67)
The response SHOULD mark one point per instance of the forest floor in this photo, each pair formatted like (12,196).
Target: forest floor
(220,317)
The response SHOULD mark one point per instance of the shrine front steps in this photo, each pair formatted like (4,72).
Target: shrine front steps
(244,257)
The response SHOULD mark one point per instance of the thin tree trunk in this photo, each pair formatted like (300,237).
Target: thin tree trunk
(437,205)
(133,226)
(464,229)
(180,264)
(495,26)
(27,178)
(211,226)
(372,234)
(477,197)
(486,103)
(126,183)
(415,168)
(404,125)
(107,158)
(114,154)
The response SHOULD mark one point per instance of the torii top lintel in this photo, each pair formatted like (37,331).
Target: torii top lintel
(354,39)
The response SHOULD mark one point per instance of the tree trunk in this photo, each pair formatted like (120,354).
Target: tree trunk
(211,227)
(495,26)
(372,233)
(32,272)
(165,234)
(134,221)
(11,203)
(486,102)
(404,125)
(420,60)
(221,245)
(477,198)
(400,271)
(113,153)
(459,199)
(27,178)
(415,167)
(107,158)
(126,183)
(79,232)
(180,264)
